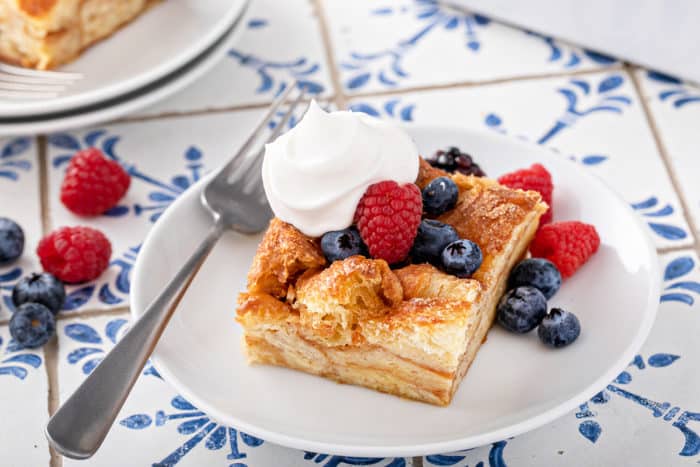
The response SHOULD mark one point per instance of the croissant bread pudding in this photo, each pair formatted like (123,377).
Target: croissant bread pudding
(348,283)
(43,34)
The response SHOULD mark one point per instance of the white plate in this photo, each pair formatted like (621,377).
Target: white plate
(136,100)
(163,39)
(516,384)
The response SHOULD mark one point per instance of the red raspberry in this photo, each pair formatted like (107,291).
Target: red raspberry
(535,178)
(566,244)
(93,184)
(387,217)
(75,254)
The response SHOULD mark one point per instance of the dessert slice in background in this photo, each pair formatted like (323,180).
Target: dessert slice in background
(44,34)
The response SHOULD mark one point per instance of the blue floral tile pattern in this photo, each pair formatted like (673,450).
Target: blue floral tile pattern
(675,107)
(187,149)
(382,45)
(19,182)
(643,406)
(23,404)
(281,42)
(595,119)
(163,428)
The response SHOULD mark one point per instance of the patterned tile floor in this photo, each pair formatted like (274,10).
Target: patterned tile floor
(412,61)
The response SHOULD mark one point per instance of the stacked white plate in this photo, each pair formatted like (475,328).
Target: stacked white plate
(161,52)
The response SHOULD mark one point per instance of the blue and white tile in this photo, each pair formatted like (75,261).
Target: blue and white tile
(164,157)
(595,118)
(162,428)
(383,45)
(281,42)
(653,404)
(20,201)
(23,404)
(675,108)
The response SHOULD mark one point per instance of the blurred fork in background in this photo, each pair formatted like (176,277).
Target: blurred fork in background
(23,83)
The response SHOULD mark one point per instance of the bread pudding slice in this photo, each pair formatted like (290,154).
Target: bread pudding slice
(412,331)
(43,34)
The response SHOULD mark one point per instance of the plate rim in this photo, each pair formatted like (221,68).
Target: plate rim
(20,108)
(451,445)
(122,105)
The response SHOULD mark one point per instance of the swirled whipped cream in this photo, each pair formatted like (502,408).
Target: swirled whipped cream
(315,174)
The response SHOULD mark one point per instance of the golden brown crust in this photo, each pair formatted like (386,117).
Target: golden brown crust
(333,301)
(282,256)
(37,8)
(412,332)
(426,281)
(427,172)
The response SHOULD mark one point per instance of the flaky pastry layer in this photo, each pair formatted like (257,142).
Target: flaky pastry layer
(412,331)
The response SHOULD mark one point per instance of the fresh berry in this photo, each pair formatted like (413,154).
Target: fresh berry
(433,236)
(559,328)
(41,288)
(440,196)
(538,273)
(93,184)
(462,258)
(521,309)
(340,244)
(454,160)
(535,178)
(32,325)
(75,254)
(566,244)
(11,240)
(387,217)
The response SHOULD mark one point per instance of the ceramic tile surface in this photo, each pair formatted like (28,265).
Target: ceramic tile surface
(186,150)
(676,109)
(652,406)
(23,404)
(19,201)
(595,119)
(161,427)
(281,42)
(381,45)
(416,62)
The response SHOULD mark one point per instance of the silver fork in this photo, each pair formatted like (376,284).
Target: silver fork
(23,83)
(235,199)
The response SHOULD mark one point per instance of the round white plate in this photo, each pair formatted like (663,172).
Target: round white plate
(166,37)
(136,100)
(516,384)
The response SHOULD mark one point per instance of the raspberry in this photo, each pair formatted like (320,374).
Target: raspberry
(93,184)
(75,254)
(566,244)
(387,217)
(535,178)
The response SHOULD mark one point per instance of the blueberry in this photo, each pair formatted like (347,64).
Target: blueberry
(41,288)
(432,237)
(340,244)
(461,258)
(522,309)
(559,328)
(538,273)
(11,240)
(440,196)
(32,325)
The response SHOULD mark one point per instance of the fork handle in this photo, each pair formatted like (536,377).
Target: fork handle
(79,426)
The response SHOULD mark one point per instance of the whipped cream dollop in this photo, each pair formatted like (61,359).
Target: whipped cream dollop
(315,174)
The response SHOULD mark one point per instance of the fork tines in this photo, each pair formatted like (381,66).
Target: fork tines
(244,161)
(23,83)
